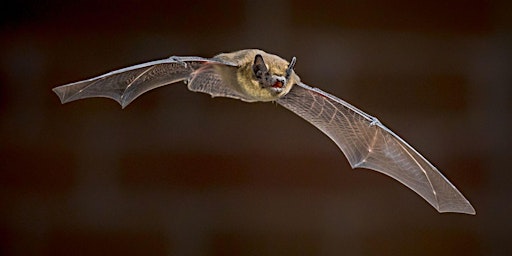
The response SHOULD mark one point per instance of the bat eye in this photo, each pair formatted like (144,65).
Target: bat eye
(258,74)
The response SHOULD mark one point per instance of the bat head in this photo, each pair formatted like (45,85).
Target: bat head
(260,76)
(272,76)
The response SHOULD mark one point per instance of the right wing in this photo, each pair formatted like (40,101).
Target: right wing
(125,85)
(367,143)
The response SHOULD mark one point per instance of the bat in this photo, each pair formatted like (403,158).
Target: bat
(253,75)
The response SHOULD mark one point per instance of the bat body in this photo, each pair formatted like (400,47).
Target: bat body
(253,75)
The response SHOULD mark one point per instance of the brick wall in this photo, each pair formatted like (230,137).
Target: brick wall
(179,173)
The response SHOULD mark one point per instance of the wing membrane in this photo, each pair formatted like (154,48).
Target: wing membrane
(207,80)
(125,85)
(369,144)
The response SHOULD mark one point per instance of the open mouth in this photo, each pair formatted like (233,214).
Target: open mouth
(278,84)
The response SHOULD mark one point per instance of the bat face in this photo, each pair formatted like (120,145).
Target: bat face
(260,76)
(254,75)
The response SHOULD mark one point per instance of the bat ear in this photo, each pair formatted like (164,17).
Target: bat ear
(259,68)
(290,67)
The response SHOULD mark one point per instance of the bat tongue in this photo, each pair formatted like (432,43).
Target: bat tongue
(278,84)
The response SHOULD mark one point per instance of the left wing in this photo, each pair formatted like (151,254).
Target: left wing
(125,85)
(367,143)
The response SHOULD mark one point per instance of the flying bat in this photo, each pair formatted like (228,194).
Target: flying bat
(253,75)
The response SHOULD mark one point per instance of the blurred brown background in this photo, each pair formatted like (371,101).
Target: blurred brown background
(179,173)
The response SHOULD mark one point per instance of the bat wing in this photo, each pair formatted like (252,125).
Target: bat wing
(125,85)
(208,80)
(369,144)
